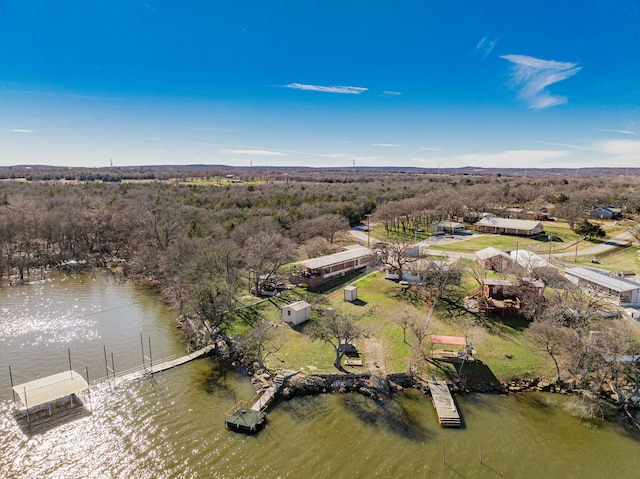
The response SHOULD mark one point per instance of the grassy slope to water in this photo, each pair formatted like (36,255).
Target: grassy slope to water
(504,348)
(382,302)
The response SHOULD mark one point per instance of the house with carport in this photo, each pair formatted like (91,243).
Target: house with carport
(508,226)
(621,290)
(529,261)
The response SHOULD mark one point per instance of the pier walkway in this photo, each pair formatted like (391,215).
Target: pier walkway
(163,365)
(448,414)
(264,400)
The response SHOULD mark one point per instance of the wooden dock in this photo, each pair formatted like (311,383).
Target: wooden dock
(448,414)
(249,419)
(163,365)
(264,400)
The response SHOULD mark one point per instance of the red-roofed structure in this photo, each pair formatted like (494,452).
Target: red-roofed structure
(451,340)
(462,351)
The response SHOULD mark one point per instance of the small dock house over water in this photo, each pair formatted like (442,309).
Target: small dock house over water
(49,390)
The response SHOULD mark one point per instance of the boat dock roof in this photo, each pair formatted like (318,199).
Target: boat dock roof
(48,389)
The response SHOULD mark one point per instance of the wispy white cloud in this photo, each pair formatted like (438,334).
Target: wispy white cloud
(619,147)
(511,158)
(624,132)
(386,145)
(392,93)
(253,152)
(533,76)
(258,150)
(21,130)
(346,90)
(428,148)
(567,145)
(486,45)
(619,153)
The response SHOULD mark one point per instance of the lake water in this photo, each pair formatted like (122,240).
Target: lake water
(171,426)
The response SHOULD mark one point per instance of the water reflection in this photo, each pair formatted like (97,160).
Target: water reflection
(395,417)
(171,425)
(42,421)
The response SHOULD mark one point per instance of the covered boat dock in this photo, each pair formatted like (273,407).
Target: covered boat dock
(50,389)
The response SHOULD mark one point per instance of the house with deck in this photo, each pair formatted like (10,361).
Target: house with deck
(501,295)
(317,271)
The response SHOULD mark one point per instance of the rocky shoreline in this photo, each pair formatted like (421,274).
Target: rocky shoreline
(379,388)
(305,384)
(302,384)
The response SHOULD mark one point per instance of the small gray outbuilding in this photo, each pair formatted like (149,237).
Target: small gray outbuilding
(296,313)
(351,293)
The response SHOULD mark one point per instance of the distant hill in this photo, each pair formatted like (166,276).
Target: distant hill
(111,173)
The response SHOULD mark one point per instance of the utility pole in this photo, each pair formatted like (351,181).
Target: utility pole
(368,230)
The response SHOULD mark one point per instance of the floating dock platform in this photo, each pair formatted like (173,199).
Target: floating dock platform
(448,414)
(242,418)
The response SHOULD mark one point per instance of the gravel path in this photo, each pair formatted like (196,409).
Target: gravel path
(374,357)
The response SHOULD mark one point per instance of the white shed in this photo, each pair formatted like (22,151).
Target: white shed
(296,313)
(351,293)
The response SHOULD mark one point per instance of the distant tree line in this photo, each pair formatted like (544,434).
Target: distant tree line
(202,243)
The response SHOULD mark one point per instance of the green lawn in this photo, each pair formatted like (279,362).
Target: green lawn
(542,246)
(381,303)
(502,242)
(626,260)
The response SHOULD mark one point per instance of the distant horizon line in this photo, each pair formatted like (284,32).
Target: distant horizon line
(299,167)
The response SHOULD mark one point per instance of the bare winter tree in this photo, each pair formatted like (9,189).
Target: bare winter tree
(338,330)
(317,246)
(575,208)
(404,320)
(550,333)
(205,281)
(262,341)
(397,256)
(265,253)
(440,278)
(477,272)
(331,225)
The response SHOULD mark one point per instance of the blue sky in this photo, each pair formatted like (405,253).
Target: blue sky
(430,83)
